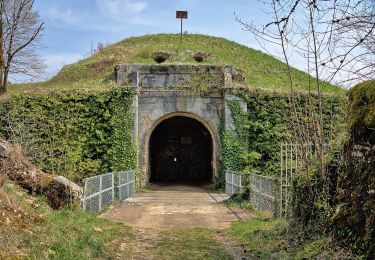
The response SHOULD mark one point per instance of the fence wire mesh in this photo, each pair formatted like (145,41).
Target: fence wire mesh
(100,191)
(126,184)
(262,192)
(262,188)
(233,182)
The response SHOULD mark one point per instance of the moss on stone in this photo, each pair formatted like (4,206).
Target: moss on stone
(362,106)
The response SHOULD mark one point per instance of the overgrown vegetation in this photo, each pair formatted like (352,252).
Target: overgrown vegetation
(29,228)
(97,71)
(353,218)
(273,239)
(73,133)
(254,145)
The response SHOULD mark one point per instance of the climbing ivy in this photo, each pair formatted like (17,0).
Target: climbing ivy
(75,134)
(254,145)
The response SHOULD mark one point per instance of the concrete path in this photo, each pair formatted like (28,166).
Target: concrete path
(175,206)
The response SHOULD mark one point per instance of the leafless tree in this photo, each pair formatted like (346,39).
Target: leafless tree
(336,39)
(20,32)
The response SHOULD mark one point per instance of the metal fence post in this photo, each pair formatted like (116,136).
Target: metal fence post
(232,181)
(100,194)
(128,185)
(281,179)
(84,200)
(113,186)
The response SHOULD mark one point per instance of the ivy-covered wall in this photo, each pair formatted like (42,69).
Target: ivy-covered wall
(255,143)
(73,133)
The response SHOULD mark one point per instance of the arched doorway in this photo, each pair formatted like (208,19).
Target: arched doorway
(181,151)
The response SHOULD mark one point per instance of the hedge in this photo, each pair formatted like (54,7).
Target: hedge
(76,134)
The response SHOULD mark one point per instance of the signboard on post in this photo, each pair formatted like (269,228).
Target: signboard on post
(181,15)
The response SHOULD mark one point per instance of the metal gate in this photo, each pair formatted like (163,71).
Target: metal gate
(294,159)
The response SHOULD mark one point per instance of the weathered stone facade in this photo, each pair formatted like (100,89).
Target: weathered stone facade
(162,92)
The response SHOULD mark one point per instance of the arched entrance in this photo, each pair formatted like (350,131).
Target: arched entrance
(181,151)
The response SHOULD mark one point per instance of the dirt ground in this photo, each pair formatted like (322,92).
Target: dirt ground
(166,207)
(171,206)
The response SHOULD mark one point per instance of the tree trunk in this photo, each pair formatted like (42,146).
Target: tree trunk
(3,83)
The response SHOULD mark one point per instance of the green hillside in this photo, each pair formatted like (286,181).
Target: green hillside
(97,71)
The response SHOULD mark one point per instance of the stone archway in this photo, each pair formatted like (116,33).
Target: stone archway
(161,93)
(214,143)
(180,151)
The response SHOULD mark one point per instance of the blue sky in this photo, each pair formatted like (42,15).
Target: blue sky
(72,26)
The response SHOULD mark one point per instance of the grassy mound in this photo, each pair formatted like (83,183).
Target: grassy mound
(261,70)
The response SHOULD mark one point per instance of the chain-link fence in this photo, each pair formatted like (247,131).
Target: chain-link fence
(262,192)
(126,184)
(233,182)
(100,191)
(262,188)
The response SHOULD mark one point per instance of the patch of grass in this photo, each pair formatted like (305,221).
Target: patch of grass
(74,234)
(260,69)
(260,238)
(274,239)
(197,243)
(61,234)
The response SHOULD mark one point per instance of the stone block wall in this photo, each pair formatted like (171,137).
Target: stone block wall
(161,94)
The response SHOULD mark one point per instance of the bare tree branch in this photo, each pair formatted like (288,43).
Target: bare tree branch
(20,32)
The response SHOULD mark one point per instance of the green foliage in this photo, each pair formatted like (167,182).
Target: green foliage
(260,69)
(123,153)
(270,122)
(75,134)
(231,150)
(233,142)
(254,145)
(250,160)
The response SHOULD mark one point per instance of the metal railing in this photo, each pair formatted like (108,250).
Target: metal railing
(262,192)
(102,190)
(262,188)
(126,184)
(233,182)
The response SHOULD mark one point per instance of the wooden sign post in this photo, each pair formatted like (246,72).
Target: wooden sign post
(181,15)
